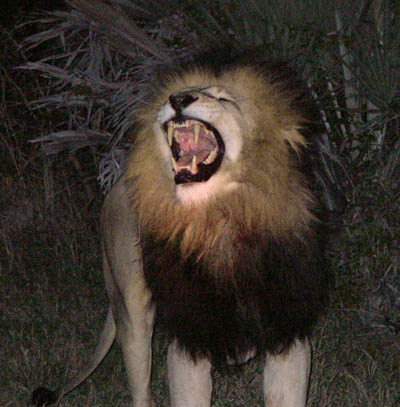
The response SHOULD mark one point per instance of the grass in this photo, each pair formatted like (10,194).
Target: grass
(49,327)
(53,305)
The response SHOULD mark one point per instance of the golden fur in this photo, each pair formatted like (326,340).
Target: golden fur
(270,193)
(167,245)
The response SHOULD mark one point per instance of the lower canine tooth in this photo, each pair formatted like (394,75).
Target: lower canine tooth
(211,157)
(174,165)
(193,167)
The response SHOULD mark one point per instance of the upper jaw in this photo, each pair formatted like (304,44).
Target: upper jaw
(197,148)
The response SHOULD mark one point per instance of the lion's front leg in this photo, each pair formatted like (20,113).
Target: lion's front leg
(134,332)
(286,376)
(128,292)
(190,383)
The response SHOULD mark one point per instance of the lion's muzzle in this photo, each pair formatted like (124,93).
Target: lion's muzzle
(197,149)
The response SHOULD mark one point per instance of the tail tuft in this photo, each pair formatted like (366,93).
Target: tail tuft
(42,396)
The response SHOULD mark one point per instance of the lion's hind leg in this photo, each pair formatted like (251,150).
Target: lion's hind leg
(286,376)
(190,383)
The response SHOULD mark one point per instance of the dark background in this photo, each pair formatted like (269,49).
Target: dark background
(11,11)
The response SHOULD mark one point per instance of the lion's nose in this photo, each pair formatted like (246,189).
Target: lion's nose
(181,100)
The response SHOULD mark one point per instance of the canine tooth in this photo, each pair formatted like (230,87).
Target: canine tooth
(193,167)
(170,135)
(211,157)
(196,132)
(176,136)
(174,165)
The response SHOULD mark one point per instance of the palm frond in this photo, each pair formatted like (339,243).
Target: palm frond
(102,57)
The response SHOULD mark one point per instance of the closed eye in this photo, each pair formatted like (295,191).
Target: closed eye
(234,104)
(216,97)
(222,99)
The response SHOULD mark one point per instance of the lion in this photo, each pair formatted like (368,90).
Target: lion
(216,230)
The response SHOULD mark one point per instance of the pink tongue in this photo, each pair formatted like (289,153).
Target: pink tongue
(186,158)
(188,147)
(187,143)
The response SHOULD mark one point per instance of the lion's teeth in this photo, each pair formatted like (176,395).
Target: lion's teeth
(180,125)
(196,132)
(193,167)
(174,165)
(170,135)
(211,157)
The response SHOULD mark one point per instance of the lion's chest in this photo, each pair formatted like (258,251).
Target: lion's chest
(256,306)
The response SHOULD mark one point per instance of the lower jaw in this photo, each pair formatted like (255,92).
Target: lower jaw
(203,174)
(193,193)
(201,193)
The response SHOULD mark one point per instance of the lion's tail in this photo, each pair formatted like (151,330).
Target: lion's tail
(43,396)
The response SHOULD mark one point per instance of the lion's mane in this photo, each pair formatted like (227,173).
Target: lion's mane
(245,270)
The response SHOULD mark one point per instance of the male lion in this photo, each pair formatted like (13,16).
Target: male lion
(216,225)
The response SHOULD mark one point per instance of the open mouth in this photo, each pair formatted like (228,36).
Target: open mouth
(197,149)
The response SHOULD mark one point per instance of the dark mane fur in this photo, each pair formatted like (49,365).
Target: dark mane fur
(278,291)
